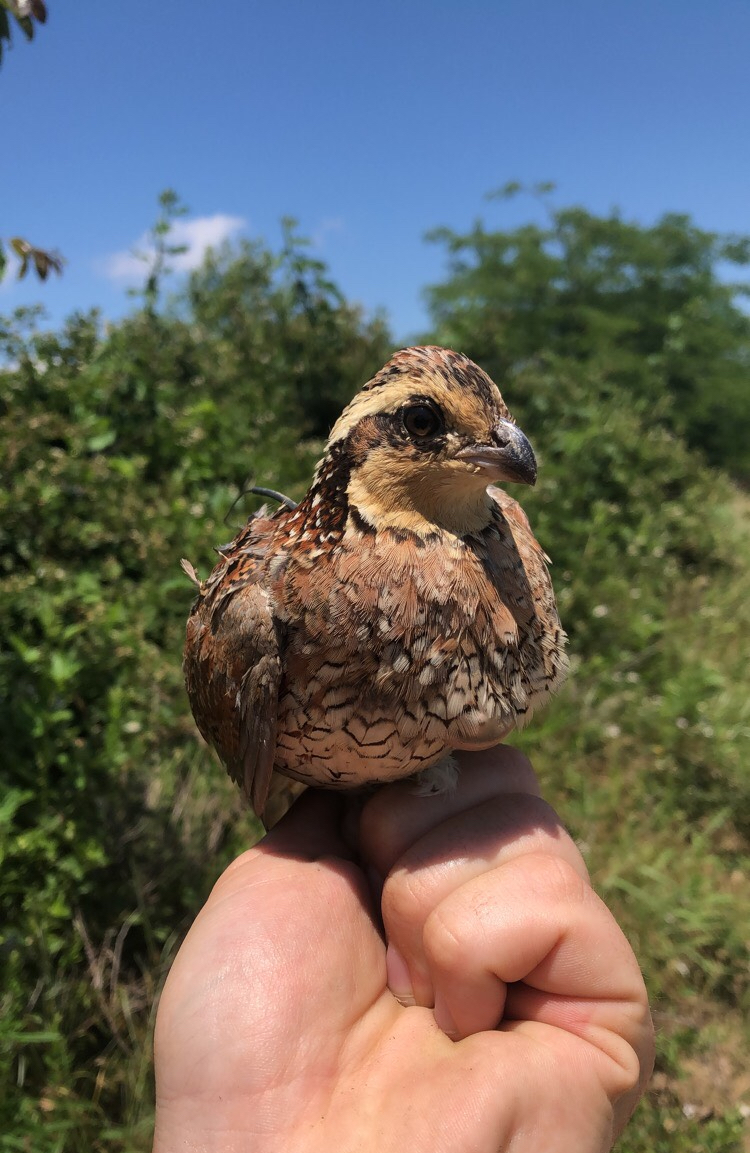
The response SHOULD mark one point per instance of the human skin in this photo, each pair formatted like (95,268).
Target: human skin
(431,974)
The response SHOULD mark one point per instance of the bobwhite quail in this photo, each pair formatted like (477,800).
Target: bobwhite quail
(400,611)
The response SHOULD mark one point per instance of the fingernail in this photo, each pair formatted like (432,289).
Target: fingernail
(399,980)
(443,1019)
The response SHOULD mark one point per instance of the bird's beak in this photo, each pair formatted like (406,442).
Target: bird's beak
(508,457)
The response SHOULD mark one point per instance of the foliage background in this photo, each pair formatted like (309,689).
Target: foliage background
(624,354)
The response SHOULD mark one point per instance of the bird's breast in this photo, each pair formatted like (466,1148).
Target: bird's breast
(398,649)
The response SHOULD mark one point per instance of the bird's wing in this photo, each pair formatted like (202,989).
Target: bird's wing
(527,543)
(527,589)
(233,671)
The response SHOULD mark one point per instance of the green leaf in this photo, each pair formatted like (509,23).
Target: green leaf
(102,440)
(41,263)
(12,802)
(506,191)
(26,24)
(63,668)
(41,1037)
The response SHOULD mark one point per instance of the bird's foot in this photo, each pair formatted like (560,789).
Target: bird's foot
(439,778)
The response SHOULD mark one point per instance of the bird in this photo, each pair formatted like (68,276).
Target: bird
(400,612)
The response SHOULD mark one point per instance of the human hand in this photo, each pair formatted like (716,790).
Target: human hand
(285,1024)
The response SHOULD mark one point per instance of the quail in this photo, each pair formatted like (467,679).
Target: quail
(401,611)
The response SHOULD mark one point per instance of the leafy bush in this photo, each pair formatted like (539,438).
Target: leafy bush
(650,309)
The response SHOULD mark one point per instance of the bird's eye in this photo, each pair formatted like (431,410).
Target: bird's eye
(421,421)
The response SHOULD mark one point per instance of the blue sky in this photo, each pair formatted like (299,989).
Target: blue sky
(370,123)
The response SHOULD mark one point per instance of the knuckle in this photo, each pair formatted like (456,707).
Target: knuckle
(445,945)
(561,881)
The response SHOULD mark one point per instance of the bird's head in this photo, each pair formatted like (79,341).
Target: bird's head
(423,440)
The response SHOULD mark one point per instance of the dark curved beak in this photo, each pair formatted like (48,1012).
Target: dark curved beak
(508,457)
